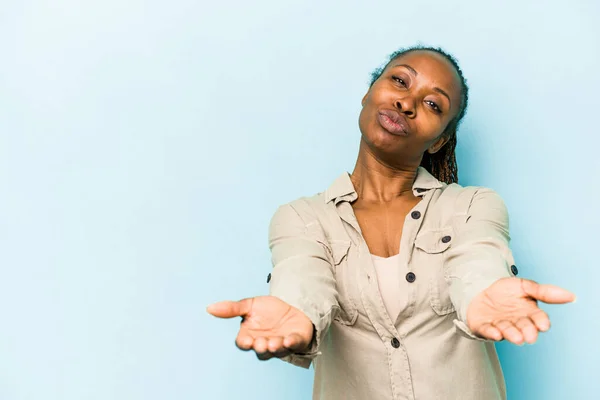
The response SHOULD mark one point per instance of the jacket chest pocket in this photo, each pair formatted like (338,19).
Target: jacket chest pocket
(433,244)
(345,278)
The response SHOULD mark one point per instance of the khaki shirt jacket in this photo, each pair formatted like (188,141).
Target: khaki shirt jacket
(455,243)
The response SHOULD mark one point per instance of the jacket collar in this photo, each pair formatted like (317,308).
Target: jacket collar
(342,188)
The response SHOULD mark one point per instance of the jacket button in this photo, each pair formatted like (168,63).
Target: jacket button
(514,270)
(269,278)
(446,239)
(395,343)
(411,277)
(415,215)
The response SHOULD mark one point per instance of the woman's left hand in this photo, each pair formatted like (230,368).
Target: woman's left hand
(508,309)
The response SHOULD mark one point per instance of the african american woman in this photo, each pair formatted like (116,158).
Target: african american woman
(396,282)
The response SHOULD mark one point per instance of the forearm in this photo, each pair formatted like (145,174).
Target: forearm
(302,274)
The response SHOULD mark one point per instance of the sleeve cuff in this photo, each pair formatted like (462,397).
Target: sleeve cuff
(469,292)
(304,359)
(464,331)
(320,328)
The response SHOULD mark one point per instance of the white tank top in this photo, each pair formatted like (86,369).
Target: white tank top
(392,285)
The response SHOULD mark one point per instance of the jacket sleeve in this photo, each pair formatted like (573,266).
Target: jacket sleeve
(480,254)
(302,274)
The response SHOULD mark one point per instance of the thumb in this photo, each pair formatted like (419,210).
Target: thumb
(230,309)
(550,294)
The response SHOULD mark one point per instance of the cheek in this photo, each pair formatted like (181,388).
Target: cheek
(431,126)
(429,132)
(365,118)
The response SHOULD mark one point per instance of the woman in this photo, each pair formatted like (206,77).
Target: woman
(395,282)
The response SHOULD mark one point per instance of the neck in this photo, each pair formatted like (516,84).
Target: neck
(376,181)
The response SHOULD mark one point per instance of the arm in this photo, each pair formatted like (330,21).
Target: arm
(302,274)
(491,303)
(480,254)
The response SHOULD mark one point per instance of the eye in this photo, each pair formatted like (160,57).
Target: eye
(434,106)
(399,80)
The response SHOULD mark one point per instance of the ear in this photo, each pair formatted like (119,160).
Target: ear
(442,140)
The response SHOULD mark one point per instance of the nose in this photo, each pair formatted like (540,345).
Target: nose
(406,105)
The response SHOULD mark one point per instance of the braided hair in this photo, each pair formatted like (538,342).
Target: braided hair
(442,165)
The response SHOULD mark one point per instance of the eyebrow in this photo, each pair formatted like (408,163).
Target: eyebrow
(415,73)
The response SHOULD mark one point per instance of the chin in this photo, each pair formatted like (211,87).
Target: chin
(381,140)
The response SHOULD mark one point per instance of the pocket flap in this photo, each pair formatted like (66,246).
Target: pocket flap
(435,240)
(339,250)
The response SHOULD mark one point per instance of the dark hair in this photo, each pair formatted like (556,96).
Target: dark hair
(442,164)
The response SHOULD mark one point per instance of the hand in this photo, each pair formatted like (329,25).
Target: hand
(508,310)
(270,326)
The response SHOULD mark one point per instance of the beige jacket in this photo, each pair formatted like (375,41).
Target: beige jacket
(455,243)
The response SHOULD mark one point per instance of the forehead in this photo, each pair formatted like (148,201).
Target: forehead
(434,68)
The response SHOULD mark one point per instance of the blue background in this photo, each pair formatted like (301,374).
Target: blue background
(144,146)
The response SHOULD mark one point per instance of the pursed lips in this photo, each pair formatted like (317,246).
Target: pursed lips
(394,122)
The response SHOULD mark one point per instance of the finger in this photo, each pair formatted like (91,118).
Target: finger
(541,320)
(282,353)
(244,342)
(528,329)
(230,309)
(510,332)
(275,344)
(489,331)
(276,347)
(550,294)
(260,345)
(294,342)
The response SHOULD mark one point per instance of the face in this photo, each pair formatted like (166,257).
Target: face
(407,110)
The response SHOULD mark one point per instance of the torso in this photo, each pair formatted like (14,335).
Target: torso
(420,353)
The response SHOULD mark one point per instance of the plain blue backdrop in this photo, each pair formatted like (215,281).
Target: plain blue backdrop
(145,145)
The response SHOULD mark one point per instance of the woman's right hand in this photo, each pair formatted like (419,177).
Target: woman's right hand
(270,326)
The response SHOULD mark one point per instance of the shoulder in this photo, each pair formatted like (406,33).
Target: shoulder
(455,194)
(472,203)
(302,210)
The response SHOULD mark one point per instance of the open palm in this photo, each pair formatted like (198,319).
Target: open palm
(270,326)
(508,309)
